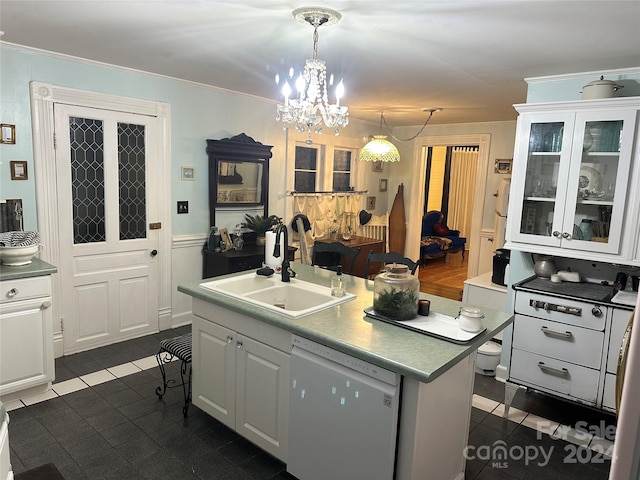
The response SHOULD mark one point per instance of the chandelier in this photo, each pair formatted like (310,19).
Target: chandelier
(311,108)
(379,149)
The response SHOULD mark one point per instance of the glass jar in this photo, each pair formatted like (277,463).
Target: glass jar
(396,293)
(348,225)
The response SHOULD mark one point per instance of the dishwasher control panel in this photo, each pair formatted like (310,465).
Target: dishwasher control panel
(346,360)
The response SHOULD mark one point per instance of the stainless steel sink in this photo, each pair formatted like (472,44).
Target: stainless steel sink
(294,299)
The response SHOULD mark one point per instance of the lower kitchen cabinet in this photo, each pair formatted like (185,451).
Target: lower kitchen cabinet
(240,381)
(26,336)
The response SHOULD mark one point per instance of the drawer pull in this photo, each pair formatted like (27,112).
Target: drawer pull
(554,333)
(559,372)
(555,307)
(12,293)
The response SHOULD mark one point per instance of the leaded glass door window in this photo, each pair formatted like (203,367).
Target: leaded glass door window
(86,139)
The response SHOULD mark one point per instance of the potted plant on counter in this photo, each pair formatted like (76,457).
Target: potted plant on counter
(261,225)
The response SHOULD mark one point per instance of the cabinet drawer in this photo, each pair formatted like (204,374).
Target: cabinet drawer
(586,314)
(554,376)
(25,288)
(558,340)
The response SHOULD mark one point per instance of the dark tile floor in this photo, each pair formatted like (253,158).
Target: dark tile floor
(120,430)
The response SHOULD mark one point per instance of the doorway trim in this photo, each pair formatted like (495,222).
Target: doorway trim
(43,97)
(417,193)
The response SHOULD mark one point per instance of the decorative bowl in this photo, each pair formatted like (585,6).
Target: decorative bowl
(15,256)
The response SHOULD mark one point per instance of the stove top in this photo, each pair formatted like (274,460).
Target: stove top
(583,291)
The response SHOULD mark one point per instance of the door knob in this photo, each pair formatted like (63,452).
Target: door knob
(154,252)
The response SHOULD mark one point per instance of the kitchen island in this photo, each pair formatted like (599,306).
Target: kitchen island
(437,375)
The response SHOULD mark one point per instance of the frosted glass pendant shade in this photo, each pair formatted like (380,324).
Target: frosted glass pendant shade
(379,150)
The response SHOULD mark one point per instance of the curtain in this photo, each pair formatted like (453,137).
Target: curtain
(325,211)
(464,166)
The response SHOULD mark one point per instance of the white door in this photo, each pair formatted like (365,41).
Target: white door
(107,203)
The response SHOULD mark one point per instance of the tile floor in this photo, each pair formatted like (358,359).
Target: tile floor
(102,420)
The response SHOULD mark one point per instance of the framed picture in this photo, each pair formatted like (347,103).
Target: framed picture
(371,203)
(8,133)
(188,173)
(19,170)
(382,185)
(503,165)
(376,167)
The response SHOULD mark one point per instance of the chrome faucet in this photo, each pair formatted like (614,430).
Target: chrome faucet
(286,271)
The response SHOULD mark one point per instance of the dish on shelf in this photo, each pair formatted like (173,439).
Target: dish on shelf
(589,182)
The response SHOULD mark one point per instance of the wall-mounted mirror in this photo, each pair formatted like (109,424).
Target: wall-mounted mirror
(239,182)
(238,173)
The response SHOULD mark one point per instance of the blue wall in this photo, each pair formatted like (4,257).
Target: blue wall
(198,112)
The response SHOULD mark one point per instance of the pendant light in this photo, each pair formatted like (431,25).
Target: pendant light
(379,149)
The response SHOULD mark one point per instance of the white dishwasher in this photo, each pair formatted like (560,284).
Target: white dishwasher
(343,415)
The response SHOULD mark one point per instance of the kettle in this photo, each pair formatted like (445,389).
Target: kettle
(544,267)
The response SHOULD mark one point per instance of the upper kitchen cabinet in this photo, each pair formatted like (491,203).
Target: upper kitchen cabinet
(573,179)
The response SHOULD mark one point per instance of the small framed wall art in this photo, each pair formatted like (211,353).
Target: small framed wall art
(371,203)
(376,167)
(382,185)
(19,170)
(503,165)
(8,133)
(188,173)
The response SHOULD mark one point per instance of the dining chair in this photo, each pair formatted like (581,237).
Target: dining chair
(389,257)
(333,251)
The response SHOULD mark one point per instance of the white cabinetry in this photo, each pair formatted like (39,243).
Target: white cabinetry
(573,179)
(242,382)
(26,336)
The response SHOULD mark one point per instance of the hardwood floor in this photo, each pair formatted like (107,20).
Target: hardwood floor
(444,278)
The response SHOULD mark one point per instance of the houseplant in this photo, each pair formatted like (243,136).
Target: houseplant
(261,225)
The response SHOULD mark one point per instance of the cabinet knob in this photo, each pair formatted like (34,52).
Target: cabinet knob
(556,234)
(229,339)
(596,312)
(12,293)
(46,304)
(566,235)
(154,252)
(239,344)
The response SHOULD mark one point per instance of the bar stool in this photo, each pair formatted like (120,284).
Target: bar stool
(179,347)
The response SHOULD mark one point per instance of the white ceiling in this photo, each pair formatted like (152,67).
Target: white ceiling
(469,57)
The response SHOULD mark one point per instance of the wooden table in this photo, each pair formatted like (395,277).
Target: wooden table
(365,245)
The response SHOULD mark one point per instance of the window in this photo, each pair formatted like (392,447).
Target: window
(341,170)
(324,166)
(306,169)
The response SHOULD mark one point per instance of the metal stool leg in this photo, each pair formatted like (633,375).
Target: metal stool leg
(163,357)
(186,386)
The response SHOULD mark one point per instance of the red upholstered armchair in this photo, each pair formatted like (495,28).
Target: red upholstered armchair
(437,239)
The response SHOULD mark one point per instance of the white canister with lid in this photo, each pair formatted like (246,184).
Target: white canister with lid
(470,319)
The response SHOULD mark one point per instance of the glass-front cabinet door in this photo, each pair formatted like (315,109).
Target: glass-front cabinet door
(570,179)
(599,177)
